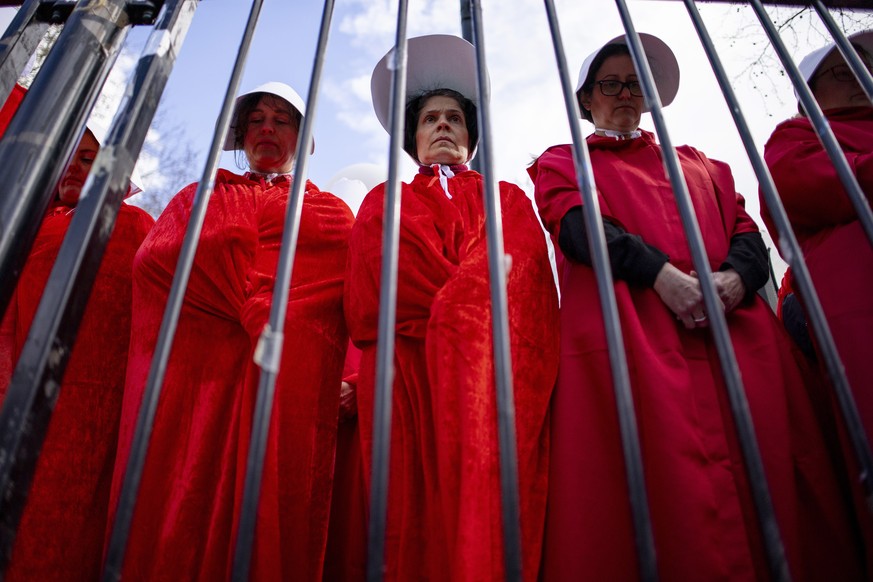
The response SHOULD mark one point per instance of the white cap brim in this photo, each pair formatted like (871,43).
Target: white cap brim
(811,62)
(436,61)
(662,62)
(276,88)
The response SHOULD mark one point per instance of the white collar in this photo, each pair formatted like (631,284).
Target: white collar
(618,135)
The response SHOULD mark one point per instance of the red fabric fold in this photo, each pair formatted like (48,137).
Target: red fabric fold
(192,484)
(702,515)
(60,536)
(444,520)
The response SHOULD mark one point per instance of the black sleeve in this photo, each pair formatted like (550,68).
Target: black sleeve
(631,259)
(748,257)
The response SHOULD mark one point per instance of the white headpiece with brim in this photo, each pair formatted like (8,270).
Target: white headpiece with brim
(811,62)
(99,128)
(276,88)
(662,62)
(436,61)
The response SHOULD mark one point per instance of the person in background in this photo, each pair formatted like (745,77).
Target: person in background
(837,252)
(60,534)
(189,500)
(444,519)
(703,519)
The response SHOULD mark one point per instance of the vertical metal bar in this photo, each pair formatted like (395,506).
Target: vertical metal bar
(48,123)
(387,312)
(17,44)
(512,558)
(36,381)
(819,123)
(269,352)
(467,34)
(754,466)
(791,250)
(644,538)
(151,395)
(845,47)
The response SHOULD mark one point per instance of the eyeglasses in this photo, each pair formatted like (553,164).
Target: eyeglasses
(612,88)
(841,72)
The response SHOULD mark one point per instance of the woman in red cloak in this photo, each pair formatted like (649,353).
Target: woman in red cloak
(704,523)
(189,499)
(60,535)
(444,520)
(836,250)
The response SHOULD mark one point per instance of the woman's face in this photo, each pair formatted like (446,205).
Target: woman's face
(270,140)
(441,136)
(836,86)
(70,186)
(619,112)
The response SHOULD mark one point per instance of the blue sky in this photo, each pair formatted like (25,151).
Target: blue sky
(527,106)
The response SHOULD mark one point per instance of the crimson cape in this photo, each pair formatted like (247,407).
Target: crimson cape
(444,493)
(837,252)
(60,536)
(703,520)
(189,499)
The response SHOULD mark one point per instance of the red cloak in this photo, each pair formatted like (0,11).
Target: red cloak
(189,500)
(703,520)
(444,520)
(60,536)
(838,254)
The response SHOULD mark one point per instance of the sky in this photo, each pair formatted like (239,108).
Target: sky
(528,113)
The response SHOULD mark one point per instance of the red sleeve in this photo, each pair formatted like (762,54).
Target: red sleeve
(11,106)
(806,180)
(555,187)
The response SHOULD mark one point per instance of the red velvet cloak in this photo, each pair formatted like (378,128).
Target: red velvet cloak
(702,516)
(444,520)
(837,252)
(191,491)
(60,536)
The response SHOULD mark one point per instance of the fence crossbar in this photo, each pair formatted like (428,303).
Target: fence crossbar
(773,547)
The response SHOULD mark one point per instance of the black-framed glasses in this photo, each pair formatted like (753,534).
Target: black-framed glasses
(841,72)
(611,88)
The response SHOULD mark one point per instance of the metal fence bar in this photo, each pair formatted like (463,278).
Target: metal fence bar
(819,123)
(269,352)
(17,44)
(644,538)
(754,466)
(37,378)
(845,47)
(151,395)
(512,557)
(387,312)
(48,123)
(790,249)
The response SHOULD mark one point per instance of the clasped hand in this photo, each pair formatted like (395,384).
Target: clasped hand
(682,294)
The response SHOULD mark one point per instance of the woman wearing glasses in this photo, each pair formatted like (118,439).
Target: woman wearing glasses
(837,252)
(702,515)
